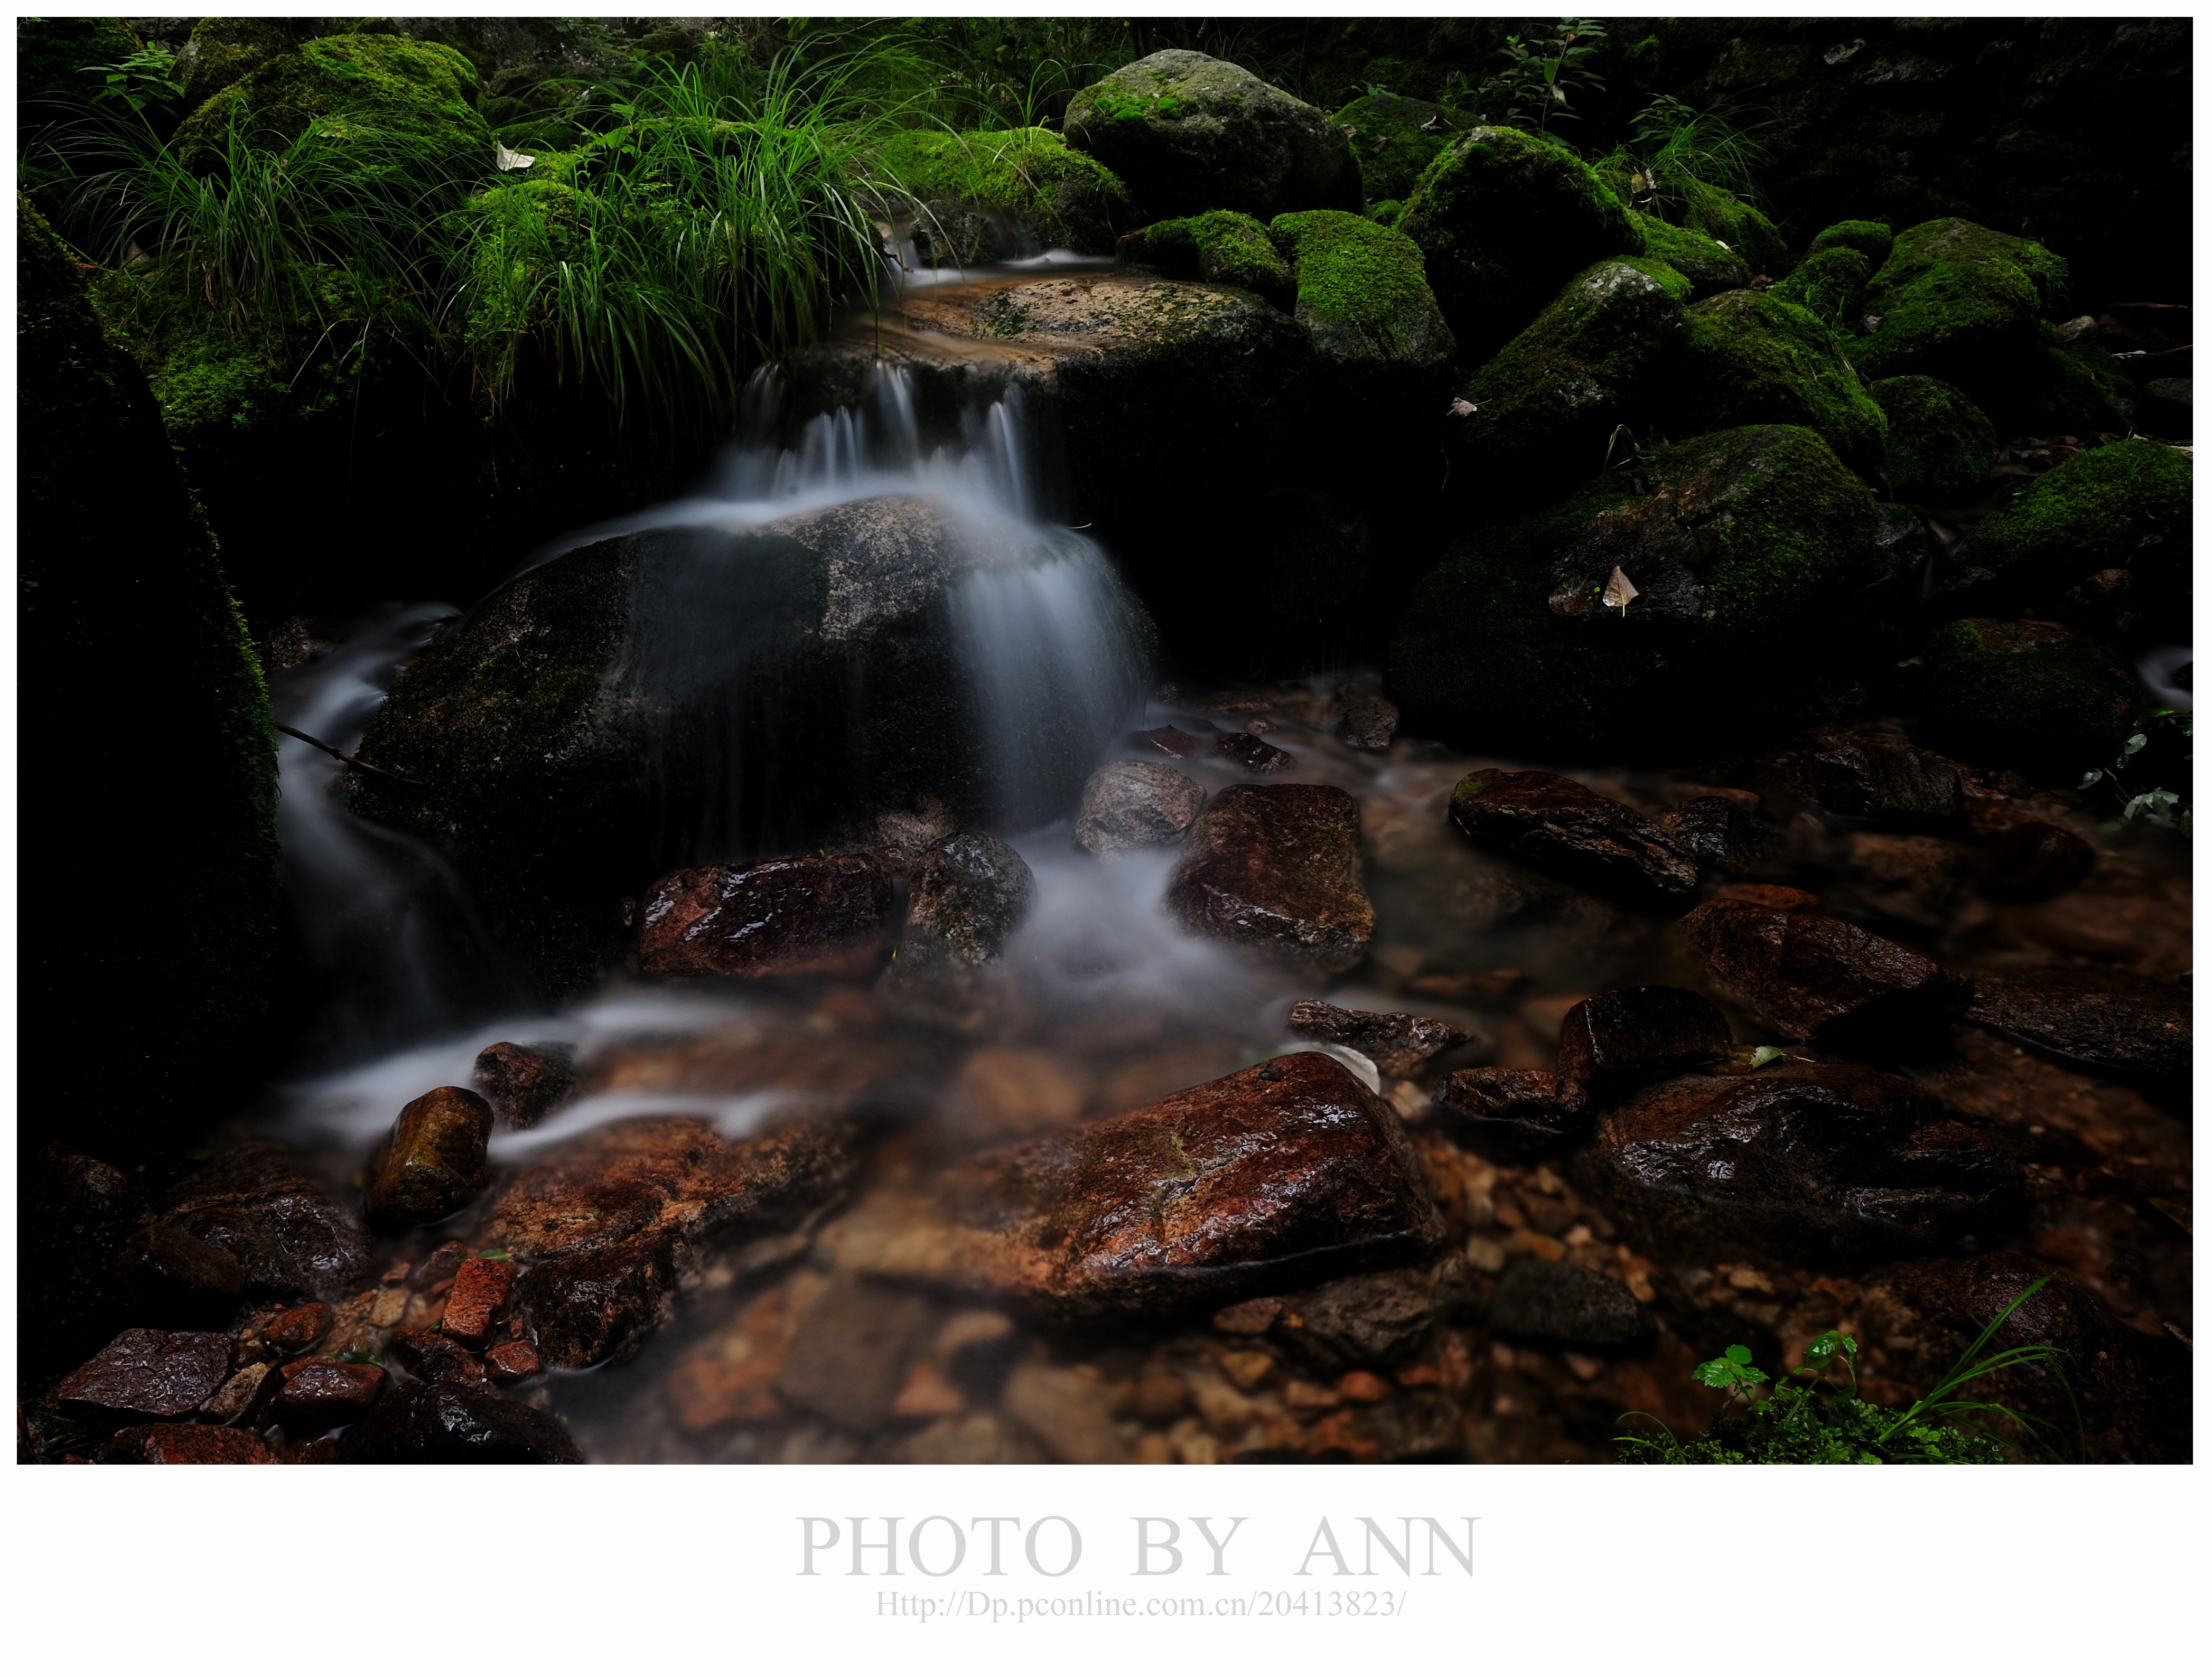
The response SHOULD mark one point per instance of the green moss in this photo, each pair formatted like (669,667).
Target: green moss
(1959,303)
(1746,231)
(2054,390)
(1829,285)
(2029,697)
(1941,447)
(54,53)
(1223,246)
(1692,255)
(409,89)
(1754,357)
(1387,213)
(1844,1430)
(226,50)
(1871,239)
(1743,544)
(1350,270)
(1502,221)
(1065,199)
(2088,515)
(1394,139)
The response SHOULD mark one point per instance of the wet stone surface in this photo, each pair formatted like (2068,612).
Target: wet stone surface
(1561,825)
(1619,1037)
(1401,1045)
(1130,806)
(525,1081)
(1821,979)
(145,1372)
(2115,1022)
(787,915)
(272,1212)
(433,1163)
(1254,755)
(1277,868)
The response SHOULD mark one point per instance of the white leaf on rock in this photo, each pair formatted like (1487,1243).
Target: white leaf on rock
(512,160)
(1618,591)
(1460,409)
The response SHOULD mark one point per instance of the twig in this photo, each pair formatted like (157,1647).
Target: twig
(343,757)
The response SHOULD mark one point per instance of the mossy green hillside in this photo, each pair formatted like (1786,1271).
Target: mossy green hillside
(412,91)
(1394,138)
(1504,220)
(1363,284)
(1941,447)
(1829,285)
(1741,544)
(1695,256)
(1063,198)
(1223,247)
(2032,698)
(2092,513)
(1871,239)
(1753,357)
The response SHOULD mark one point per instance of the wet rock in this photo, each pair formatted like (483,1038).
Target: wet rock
(969,892)
(2032,862)
(788,915)
(432,1357)
(320,1395)
(479,1295)
(1905,876)
(1190,133)
(1169,742)
(1510,1113)
(147,1373)
(285,1229)
(512,1361)
(1874,776)
(2108,1020)
(1067,1411)
(1129,806)
(1368,722)
(1619,1038)
(1379,342)
(445,1422)
(443,1264)
(433,1163)
(525,1081)
(171,1442)
(1279,1175)
(299,1328)
(242,1399)
(1547,1300)
(175,1280)
(851,1353)
(1254,755)
(2029,697)
(1720,836)
(1375,1321)
(1561,825)
(1820,980)
(1920,1315)
(1401,1045)
(606,1225)
(1816,1163)
(1277,869)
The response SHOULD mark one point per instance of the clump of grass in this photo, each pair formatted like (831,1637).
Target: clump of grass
(1687,166)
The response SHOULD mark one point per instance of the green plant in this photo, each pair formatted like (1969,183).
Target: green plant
(1687,166)
(1541,77)
(1800,1423)
(143,81)
(2158,807)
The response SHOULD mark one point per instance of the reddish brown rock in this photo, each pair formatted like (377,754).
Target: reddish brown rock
(288,1231)
(1401,1045)
(1820,979)
(1376,1320)
(2112,1021)
(1720,836)
(602,1303)
(432,1357)
(1254,755)
(169,1442)
(1815,1162)
(1280,1175)
(512,1361)
(1912,877)
(1130,806)
(785,915)
(300,1327)
(1619,1037)
(525,1081)
(479,1293)
(2032,862)
(970,891)
(433,1162)
(147,1373)
(1767,897)
(1507,1112)
(1872,775)
(1277,869)
(321,1396)
(1561,825)
(1169,742)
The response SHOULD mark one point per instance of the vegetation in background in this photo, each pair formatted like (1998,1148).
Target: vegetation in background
(1542,78)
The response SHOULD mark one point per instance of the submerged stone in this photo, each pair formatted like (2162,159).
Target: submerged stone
(786,914)
(1277,869)
(1561,825)
(1824,980)
(1545,1300)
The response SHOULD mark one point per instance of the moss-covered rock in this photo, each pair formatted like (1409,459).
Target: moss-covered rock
(1504,220)
(1362,297)
(1871,239)
(1739,546)
(224,50)
(2116,507)
(1387,213)
(1190,133)
(1829,285)
(1547,406)
(1745,230)
(994,195)
(1708,268)
(414,92)
(1753,357)
(125,625)
(1941,447)
(2056,389)
(2032,698)
(1394,138)
(1223,247)
(52,54)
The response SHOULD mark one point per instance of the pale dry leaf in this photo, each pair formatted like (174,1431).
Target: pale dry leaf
(1618,591)
(512,159)
(1460,409)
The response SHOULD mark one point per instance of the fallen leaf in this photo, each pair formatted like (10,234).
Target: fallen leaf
(512,160)
(1460,409)
(1618,591)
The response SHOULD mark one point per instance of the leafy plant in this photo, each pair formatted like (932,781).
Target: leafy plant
(1544,74)
(1687,166)
(143,82)
(1800,1423)
(2158,807)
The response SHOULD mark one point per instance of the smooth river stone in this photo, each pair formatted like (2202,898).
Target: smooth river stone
(1820,980)
(786,914)
(1278,1177)
(1561,825)
(1619,1038)
(146,1372)
(1132,805)
(1277,869)
(2114,1021)
(432,1163)
(1401,1045)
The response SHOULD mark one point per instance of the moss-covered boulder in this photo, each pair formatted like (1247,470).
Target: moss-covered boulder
(418,93)
(1549,409)
(1504,220)
(2032,698)
(1394,138)
(1747,232)
(127,632)
(2123,507)
(1708,268)
(1738,548)
(681,696)
(224,50)
(1830,286)
(994,195)
(1941,447)
(1871,239)
(2057,389)
(1223,247)
(1753,357)
(1190,133)
(1363,300)
(1386,213)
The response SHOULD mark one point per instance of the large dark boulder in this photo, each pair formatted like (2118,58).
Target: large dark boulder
(449,1421)
(688,695)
